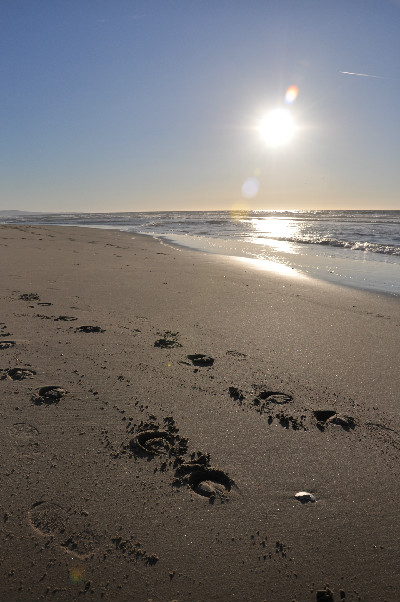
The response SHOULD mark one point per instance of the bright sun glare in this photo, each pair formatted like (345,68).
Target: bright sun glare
(277,127)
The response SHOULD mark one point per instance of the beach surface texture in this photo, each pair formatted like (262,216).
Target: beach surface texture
(178,427)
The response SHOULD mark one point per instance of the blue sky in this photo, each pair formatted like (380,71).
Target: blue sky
(127,106)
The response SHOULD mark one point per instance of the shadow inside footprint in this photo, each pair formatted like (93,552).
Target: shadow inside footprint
(199,359)
(167,343)
(6,344)
(169,340)
(203,479)
(210,483)
(89,329)
(66,319)
(326,417)
(236,394)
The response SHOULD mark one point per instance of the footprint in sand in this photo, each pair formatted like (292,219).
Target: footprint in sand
(237,354)
(89,329)
(196,472)
(6,344)
(48,395)
(81,544)
(327,417)
(202,478)
(25,437)
(19,373)
(132,552)
(210,483)
(169,340)
(266,402)
(65,319)
(68,530)
(3,330)
(273,397)
(29,297)
(48,518)
(150,440)
(153,443)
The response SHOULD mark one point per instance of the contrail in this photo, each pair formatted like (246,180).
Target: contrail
(361,74)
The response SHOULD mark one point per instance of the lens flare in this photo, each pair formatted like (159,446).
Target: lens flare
(76,574)
(291,94)
(250,187)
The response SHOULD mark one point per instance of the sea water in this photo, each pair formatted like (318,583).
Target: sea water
(356,248)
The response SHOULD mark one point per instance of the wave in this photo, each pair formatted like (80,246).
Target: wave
(350,245)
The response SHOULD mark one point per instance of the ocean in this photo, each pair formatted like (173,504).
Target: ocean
(354,248)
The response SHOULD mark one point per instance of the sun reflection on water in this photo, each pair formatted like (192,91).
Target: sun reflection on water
(271,266)
(278,233)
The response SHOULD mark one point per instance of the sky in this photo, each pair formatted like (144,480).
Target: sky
(125,105)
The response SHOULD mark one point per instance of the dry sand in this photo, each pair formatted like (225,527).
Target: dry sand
(131,471)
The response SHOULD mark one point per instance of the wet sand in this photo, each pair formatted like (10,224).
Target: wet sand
(160,410)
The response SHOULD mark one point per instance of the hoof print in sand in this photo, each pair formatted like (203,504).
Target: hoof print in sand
(150,440)
(89,329)
(153,443)
(49,395)
(169,340)
(25,437)
(69,319)
(29,297)
(265,400)
(199,359)
(326,417)
(6,344)
(210,483)
(203,479)
(19,373)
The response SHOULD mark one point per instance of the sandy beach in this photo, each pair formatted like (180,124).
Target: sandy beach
(160,410)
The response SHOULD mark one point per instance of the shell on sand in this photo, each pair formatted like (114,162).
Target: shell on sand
(304,497)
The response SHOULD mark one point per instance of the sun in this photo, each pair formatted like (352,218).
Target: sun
(277,128)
